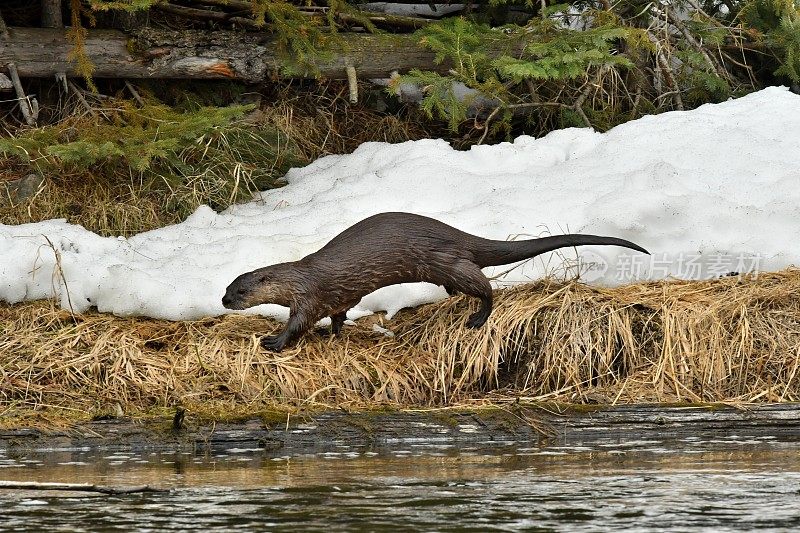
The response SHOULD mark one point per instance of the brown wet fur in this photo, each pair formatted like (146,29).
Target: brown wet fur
(386,249)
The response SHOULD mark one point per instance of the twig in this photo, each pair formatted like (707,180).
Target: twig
(514,106)
(61,81)
(675,21)
(664,95)
(758,48)
(352,83)
(667,71)
(486,123)
(82,100)
(578,105)
(29,109)
(60,271)
(82,487)
(135,94)
(241,21)
(699,9)
(745,66)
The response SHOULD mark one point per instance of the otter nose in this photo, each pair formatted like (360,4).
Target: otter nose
(226,300)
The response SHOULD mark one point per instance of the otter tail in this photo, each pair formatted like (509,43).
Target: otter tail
(493,253)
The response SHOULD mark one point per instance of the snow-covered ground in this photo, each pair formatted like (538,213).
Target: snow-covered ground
(707,191)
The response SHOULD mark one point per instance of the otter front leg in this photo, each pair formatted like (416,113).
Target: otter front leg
(297,324)
(275,343)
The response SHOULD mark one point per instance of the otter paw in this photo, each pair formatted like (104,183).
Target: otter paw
(273,343)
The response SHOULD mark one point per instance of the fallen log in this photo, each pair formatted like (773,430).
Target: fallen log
(249,57)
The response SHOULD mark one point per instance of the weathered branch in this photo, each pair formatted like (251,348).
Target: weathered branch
(30,110)
(82,487)
(385,20)
(204,14)
(239,5)
(382,20)
(246,56)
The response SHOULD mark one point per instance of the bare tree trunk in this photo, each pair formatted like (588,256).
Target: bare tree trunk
(51,18)
(51,14)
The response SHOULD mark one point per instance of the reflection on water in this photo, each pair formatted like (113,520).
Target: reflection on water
(727,484)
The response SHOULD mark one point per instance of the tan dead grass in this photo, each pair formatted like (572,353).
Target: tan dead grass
(725,340)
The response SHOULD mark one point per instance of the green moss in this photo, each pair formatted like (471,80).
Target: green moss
(445,417)
(362,423)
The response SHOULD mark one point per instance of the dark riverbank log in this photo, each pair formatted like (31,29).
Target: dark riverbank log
(249,57)
(311,433)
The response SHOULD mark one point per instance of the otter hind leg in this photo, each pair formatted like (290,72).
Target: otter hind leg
(465,276)
(337,321)
(479,317)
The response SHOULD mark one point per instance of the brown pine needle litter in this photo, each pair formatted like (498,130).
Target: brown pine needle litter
(725,340)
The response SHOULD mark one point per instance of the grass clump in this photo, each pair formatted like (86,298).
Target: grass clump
(724,340)
(127,169)
(118,168)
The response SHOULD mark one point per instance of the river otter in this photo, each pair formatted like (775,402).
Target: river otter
(382,250)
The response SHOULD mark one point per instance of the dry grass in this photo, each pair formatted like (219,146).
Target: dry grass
(722,340)
(319,120)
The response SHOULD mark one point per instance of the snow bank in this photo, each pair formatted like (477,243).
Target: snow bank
(708,191)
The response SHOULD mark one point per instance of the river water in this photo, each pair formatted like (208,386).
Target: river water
(725,484)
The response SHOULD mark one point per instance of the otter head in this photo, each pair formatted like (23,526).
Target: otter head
(255,288)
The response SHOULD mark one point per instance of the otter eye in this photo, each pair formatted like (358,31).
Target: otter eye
(263,279)
(240,291)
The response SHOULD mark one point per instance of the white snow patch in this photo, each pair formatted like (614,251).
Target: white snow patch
(706,191)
